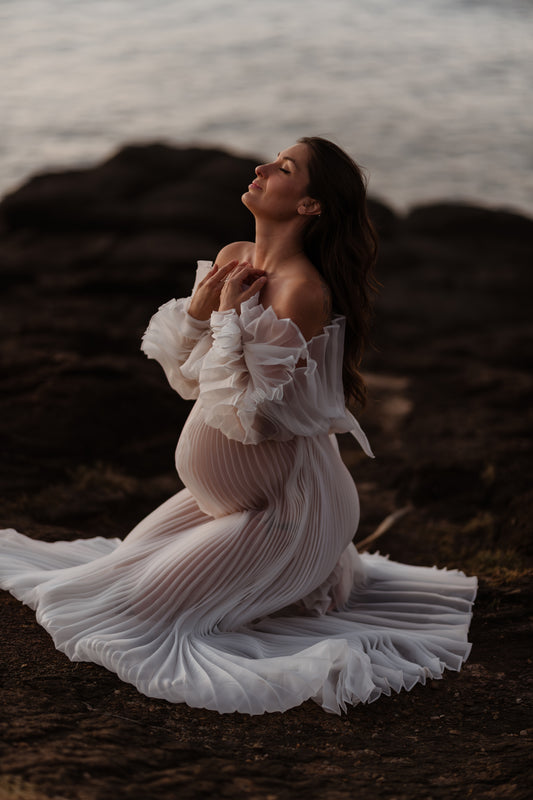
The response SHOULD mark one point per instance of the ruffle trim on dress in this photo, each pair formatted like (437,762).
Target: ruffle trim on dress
(247,370)
(318,383)
(179,343)
(254,386)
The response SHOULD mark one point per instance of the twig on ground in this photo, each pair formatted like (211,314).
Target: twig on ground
(384,526)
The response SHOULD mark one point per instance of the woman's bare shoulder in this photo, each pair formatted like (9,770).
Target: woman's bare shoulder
(242,251)
(307,303)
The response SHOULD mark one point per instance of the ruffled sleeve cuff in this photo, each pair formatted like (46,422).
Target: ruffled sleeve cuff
(227,333)
(179,343)
(252,358)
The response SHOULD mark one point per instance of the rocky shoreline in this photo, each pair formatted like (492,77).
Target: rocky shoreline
(88,428)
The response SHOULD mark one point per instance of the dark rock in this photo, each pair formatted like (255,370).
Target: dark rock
(385,220)
(464,220)
(155,186)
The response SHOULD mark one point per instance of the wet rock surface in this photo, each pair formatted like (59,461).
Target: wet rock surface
(88,428)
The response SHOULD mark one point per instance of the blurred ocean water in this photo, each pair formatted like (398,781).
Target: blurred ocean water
(433,97)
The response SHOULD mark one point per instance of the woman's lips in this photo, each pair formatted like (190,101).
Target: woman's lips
(254,185)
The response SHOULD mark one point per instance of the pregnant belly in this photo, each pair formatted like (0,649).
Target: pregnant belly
(226,476)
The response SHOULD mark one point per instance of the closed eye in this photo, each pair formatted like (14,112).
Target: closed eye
(286,171)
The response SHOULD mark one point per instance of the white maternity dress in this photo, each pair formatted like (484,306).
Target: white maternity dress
(243,592)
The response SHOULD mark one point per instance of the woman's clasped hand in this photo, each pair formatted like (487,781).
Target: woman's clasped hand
(225,288)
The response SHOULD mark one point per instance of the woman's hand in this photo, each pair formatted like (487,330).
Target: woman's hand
(207,295)
(242,282)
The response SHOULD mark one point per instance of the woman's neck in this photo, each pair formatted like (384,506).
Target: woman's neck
(276,244)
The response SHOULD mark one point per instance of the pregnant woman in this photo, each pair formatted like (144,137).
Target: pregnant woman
(243,592)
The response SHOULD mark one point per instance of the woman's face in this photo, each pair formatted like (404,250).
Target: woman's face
(279,190)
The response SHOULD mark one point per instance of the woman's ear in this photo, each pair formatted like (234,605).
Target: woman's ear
(309,207)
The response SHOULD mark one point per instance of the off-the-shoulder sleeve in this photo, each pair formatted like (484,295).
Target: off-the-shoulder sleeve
(252,359)
(254,375)
(179,342)
(262,380)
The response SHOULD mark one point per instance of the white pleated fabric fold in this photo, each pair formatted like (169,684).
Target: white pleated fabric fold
(243,592)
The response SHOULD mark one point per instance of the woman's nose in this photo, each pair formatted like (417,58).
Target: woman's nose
(260,170)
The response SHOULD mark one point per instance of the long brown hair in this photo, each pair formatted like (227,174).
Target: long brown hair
(342,244)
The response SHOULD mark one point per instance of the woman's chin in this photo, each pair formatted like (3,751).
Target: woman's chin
(246,198)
